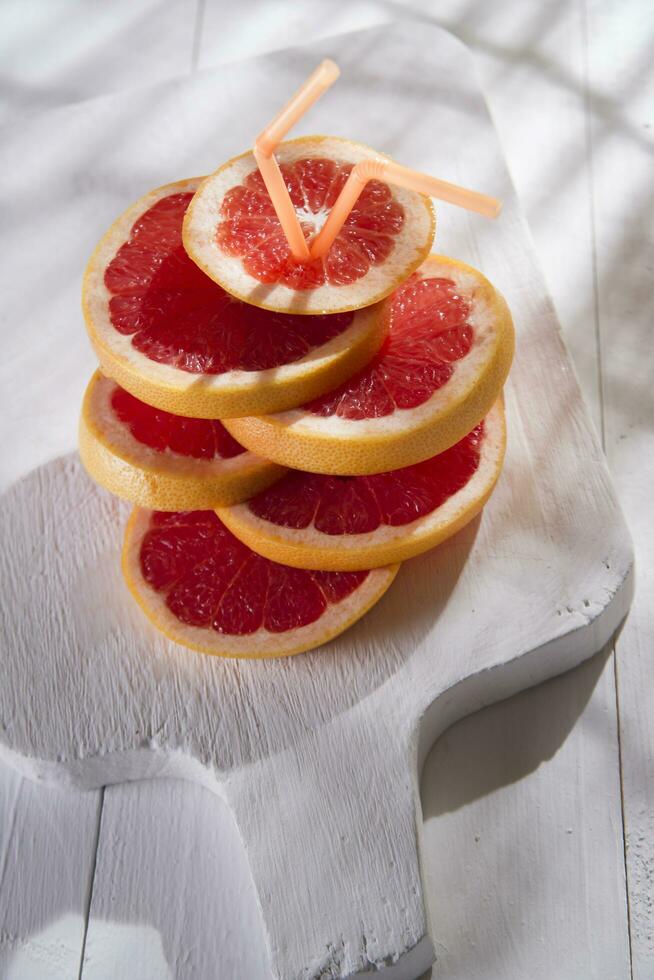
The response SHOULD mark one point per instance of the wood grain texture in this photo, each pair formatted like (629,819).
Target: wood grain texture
(309,750)
(54,53)
(527,56)
(44,895)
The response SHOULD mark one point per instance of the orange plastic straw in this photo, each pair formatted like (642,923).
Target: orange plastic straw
(267,141)
(393,173)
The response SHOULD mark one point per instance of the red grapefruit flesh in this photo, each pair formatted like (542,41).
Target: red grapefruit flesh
(197,438)
(352,522)
(250,229)
(175,339)
(177,315)
(431,331)
(205,589)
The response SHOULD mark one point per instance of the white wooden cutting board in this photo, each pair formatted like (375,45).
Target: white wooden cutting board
(317,756)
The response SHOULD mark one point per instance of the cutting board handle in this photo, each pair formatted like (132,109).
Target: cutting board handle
(330,829)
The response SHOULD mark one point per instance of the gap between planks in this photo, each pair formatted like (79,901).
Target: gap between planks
(89,896)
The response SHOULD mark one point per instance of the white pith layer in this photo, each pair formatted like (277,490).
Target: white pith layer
(203,217)
(334,620)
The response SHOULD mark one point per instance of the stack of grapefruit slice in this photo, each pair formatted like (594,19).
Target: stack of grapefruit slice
(289,431)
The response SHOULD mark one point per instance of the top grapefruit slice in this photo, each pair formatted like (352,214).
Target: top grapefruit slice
(232,232)
(174,339)
(440,370)
(205,589)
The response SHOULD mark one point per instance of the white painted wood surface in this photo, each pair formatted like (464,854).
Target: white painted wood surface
(43,920)
(531,55)
(622,99)
(53,52)
(506,857)
(154,913)
(574,576)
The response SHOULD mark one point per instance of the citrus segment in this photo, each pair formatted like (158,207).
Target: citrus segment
(232,231)
(249,227)
(344,523)
(175,339)
(431,332)
(205,589)
(438,373)
(164,461)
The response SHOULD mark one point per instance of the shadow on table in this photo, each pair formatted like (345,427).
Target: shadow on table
(487,754)
(504,742)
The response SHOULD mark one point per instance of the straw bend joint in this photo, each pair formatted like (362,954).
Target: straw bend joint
(395,173)
(263,147)
(366,170)
(269,138)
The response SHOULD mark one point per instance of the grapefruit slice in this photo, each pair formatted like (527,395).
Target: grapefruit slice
(232,231)
(206,590)
(347,523)
(174,339)
(440,370)
(164,461)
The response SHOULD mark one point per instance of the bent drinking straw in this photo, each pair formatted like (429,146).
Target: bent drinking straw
(387,170)
(264,148)
(393,173)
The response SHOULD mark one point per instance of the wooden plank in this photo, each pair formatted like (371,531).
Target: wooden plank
(173,895)
(532,56)
(528,57)
(518,801)
(54,52)
(47,854)
(621,93)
